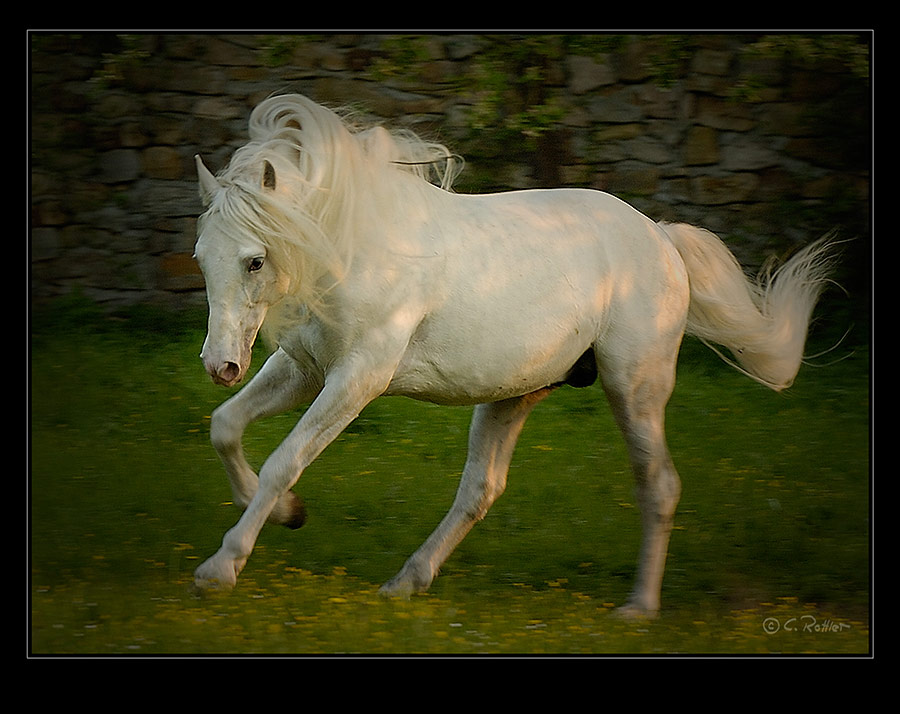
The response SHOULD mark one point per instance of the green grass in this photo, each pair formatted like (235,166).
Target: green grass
(127,497)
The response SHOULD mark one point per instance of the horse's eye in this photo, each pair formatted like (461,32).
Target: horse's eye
(255,264)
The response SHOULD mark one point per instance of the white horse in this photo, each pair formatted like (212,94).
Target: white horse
(372,280)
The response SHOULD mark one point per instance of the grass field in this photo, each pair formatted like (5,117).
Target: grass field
(771,552)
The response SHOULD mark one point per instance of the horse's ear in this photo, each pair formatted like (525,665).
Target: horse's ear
(268,176)
(208,184)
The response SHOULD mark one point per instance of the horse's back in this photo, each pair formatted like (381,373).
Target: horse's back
(564,258)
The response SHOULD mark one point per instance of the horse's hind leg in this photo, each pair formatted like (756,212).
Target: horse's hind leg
(277,387)
(638,393)
(493,435)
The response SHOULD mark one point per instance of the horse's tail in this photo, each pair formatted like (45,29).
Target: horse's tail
(763,322)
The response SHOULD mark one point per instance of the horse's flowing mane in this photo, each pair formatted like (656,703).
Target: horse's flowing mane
(332,180)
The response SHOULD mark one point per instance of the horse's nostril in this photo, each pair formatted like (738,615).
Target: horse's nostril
(226,373)
(229,372)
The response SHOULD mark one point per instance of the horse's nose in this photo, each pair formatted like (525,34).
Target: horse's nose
(223,373)
(227,374)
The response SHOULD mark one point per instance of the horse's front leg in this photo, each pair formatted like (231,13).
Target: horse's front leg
(493,435)
(279,385)
(341,400)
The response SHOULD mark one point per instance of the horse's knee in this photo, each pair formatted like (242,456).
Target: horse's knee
(224,432)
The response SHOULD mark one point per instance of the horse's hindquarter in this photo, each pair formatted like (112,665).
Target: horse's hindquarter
(526,282)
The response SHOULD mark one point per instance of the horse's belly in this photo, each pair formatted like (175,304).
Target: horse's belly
(487,362)
(435,383)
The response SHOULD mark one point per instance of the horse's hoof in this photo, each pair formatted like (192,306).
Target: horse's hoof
(204,586)
(408,581)
(297,516)
(634,611)
(396,591)
(215,575)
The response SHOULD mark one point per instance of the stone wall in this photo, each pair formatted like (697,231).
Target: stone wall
(768,152)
